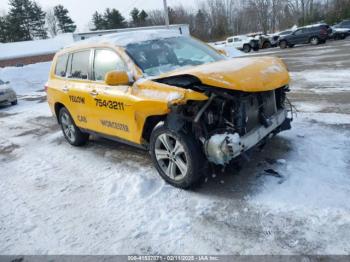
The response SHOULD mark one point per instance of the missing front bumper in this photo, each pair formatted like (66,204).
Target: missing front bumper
(222,148)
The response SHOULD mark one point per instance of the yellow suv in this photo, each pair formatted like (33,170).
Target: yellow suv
(173,95)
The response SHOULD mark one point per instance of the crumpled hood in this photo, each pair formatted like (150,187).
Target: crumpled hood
(248,74)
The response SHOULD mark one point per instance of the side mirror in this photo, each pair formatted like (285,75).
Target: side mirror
(115,78)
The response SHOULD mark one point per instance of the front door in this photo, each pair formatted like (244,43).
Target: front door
(113,104)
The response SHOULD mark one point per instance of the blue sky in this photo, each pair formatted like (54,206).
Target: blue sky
(81,10)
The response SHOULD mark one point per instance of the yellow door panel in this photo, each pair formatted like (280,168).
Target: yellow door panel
(114,111)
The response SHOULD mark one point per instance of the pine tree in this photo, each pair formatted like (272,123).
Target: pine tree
(37,22)
(114,19)
(18,20)
(135,16)
(98,21)
(65,23)
(4,33)
(143,17)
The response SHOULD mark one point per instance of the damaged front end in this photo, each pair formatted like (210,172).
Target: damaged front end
(230,122)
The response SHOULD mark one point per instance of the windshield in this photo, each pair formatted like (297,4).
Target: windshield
(162,55)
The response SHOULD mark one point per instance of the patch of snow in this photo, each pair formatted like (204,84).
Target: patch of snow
(35,47)
(28,80)
(316,175)
(125,38)
(162,95)
(322,80)
(328,118)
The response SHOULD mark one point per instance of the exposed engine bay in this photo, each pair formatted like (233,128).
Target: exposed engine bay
(229,122)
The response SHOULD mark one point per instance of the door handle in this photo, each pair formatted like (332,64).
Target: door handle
(93,93)
(65,89)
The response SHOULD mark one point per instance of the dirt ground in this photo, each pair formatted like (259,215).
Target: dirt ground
(107,198)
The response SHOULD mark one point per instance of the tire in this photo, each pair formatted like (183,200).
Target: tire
(177,157)
(70,131)
(314,40)
(14,102)
(266,45)
(246,48)
(283,44)
(291,45)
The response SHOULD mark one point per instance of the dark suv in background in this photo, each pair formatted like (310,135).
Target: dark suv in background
(313,34)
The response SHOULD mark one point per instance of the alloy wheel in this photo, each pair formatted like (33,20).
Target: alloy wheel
(171,156)
(68,127)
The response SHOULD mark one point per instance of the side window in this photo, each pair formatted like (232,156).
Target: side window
(61,65)
(299,32)
(106,61)
(230,40)
(80,65)
(236,39)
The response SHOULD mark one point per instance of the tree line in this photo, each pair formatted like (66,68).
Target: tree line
(213,20)
(209,20)
(26,20)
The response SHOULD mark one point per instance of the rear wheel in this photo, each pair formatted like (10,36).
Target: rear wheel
(283,44)
(177,157)
(70,131)
(266,45)
(247,48)
(314,40)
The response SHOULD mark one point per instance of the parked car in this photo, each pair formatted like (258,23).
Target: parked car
(7,94)
(264,40)
(169,94)
(243,42)
(313,34)
(276,36)
(343,24)
(341,30)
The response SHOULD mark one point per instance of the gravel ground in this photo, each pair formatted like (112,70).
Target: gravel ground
(107,198)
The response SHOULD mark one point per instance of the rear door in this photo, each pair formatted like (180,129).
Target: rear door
(113,104)
(78,87)
(299,36)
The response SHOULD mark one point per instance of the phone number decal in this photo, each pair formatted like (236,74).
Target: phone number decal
(109,104)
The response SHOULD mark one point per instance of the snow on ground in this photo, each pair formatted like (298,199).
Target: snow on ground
(291,198)
(322,80)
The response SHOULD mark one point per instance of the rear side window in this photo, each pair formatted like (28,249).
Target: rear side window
(80,65)
(61,65)
(105,61)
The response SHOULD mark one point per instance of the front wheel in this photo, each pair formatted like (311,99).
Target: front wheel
(177,157)
(70,131)
(246,48)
